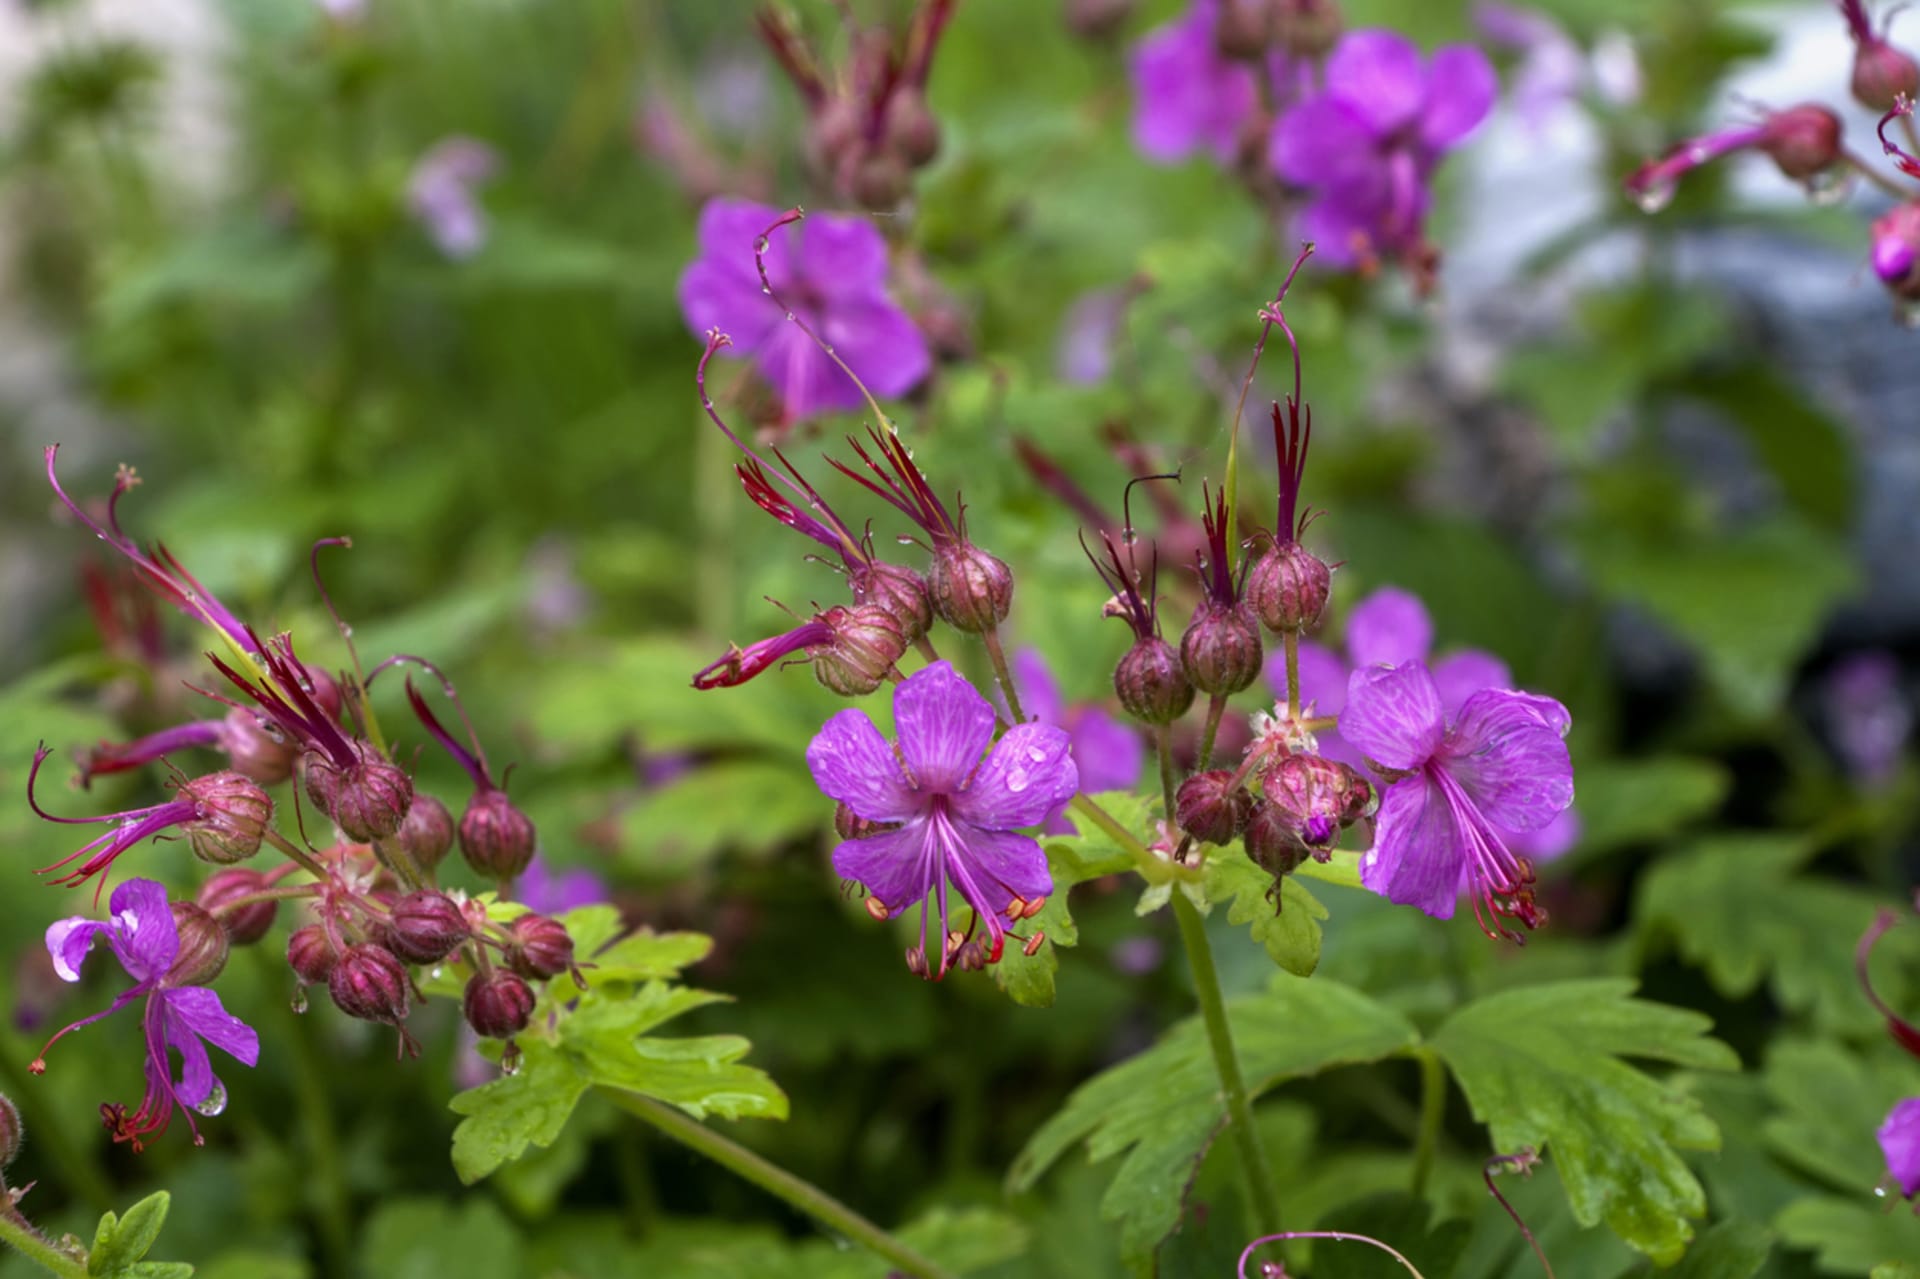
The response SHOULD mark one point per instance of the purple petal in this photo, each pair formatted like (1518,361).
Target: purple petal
(852,763)
(944,726)
(879,342)
(1460,675)
(715,297)
(1418,855)
(142,931)
(896,867)
(992,868)
(804,377)
(1326,144)
(1900,1143)
(1340,232)
(842,258)
(68,941)
(727,233)
(1108,753)
(1039,691)
(1461,91)
(196,1012)
(1393,714)
(1029,774)
(1186,96)
(1389,627)
(1378,73)
(545,891)
(1084,354)
(1507,754)
(1550,841)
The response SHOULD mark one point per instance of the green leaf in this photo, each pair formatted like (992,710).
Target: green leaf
(1072,859)
(1635,801)
(1897,1270)
(429,1239)
(1541,1066)
(1731,1250)
(1735,908)
(1850,1236)
(701,1075)
(754,805)
(646,956)
(1163,1107)
(506,1115)
(157,1270)
(121,1241)
(1394,1218)
(1829,1101)
(1289,928)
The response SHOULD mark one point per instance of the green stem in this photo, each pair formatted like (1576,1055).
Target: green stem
(299,855)
(18,1233)
(1163,739)
(1433,1113)
(1226,1063)
(998,657)
(778,1182)
(1292,643)
(1216,710)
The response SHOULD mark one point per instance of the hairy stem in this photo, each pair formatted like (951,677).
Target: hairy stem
(18,1233)
(1291,640)
(998,656)
(1163,740)
(1433,1113)
(801,1195)
(1216,711)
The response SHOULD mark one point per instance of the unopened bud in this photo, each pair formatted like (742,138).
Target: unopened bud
(203,946)
(880,180)
(1288,588)
(367,798)
(1272,841)
(1896,250)
(427,833)
(971,589)
(498,1004)
(11,1130)
(1221,651)
(1150,682)
(311,955)
(367,982)
(1097,20)
(496,838)
(256,748)
(426,926)
(899,591)
(1242,28)
(1882,74)
(1210,808)
(1307,28)
(244,924)
(234,813)
(1321,797)
(911,130)
(1804,141)
(538,947)
(867,642)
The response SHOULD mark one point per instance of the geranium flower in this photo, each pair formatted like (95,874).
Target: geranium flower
(832,273)
(1455,784)
(1900,1143)
(949,818)
(1187,94)
(442,194)
(179,1018)
(1108,753)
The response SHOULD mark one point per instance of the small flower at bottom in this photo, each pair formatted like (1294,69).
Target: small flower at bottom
(1900,1143)
(1456,783)
(179,1017)
(953,815)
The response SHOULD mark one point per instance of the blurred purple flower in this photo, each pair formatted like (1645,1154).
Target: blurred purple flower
(948,817)
(441,194)
(1087,333)
(832,272)
(1108,753)
(1499,764)
(1389,627)
(1867,715)
(178,1018)
(1187,95)
(1900,1143)
(1552,69)
(546,891)
(1369,141)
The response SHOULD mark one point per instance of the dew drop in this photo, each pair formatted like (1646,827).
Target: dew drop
(299,1001)
(510,1060)
(1698,153)
(346,630)
(1829,187)
(904,540)
(789,317)
(214,1102)
(1129,535)
(1018,779)
(1654,197)
(433,974)
(760,244)
(1907,312)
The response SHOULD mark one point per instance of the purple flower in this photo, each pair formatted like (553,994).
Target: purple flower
(1187,94)
(178,1018)
(1088,331)
(546,891)
(440,193)
(1868,715)
(128,828)
(1456,783)
(1369,141)
(830,272)
(1900,1143)
(1108,753)
(1392,626)
(948,817)
(1803,141)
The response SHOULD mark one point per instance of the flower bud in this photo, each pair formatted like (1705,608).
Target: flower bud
(880,180)
(1210,807)
(496,838)
(1273,843)
(427,833)
(244,924)
(1321,797)
(498,1004)
(426,926)
(538,947)
(203,946)
(367,982)
(256,748)
(1288,588)
(1150,683)
(867,642)
(971,589)
(1882,73)
(911,130)
(1221,650)
(233,815)
(1896,250)
(899,591)
(1307,28)
(367,799)
(1804,141)
(1097,19)
(11,1130)
(311,955)
(323,688)
(1241,29)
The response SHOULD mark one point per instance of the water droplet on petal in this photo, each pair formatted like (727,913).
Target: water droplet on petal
(1655,196)
(1018,779)
(1038,754)
(214,1102)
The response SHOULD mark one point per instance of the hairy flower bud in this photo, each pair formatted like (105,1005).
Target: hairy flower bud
(1803,140)
(233,815)
(244,924)
(311,955)
(367,982)
(538,947)
(1221,651)
(1881,74)
(880,180)
(867,642)
(497,1004)
(256,747)
(1150,683)
(427,833)
(899,591)
(1307,28)
(911,130)
(971,589)
(1288,587)
(1242,28)
(1321,797)
(426,926)
(367,799)
(11,1130)
(1895,251)
(1210,807)
(1273,842)
(203,946)
(496,838)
